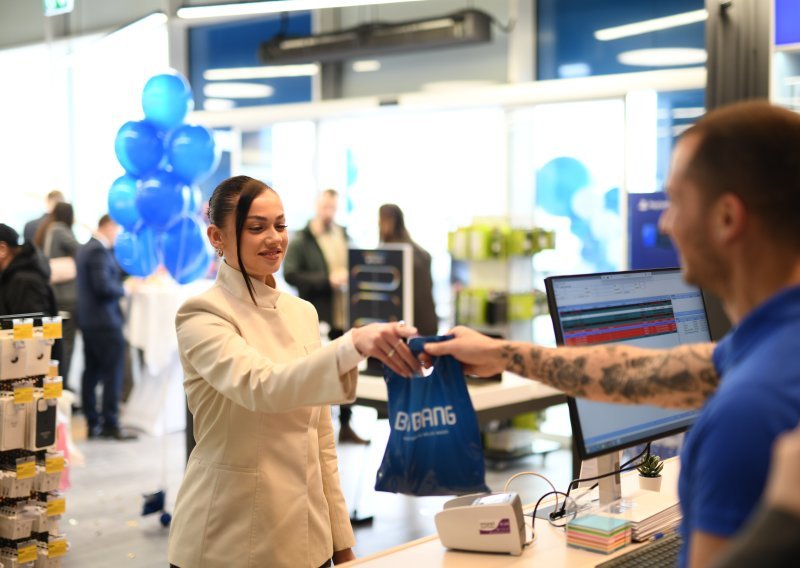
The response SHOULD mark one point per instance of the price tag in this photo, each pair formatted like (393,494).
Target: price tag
(53,389)
(56,548)
(23,329)
(52,329)
(26,554)
(54,464)
(26,469)
(23,395)
(56,507)
(52,370)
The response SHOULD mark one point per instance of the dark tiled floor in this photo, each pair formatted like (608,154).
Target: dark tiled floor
(104,505)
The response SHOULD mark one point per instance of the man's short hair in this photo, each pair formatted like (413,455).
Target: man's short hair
(104,220)
(752,149)
(56,196)
(330,192)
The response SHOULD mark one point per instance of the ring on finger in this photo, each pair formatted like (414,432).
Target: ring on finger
(390,353)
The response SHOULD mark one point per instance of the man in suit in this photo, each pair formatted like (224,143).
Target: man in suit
(100,321)
(316,264)
(29,231)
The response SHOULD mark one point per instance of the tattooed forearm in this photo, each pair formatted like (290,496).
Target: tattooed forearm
(679,377)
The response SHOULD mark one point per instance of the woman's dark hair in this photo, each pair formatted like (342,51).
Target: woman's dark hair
(399,231)
(236,193)
(61,213)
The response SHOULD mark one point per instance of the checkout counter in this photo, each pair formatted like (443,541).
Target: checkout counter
(549,547)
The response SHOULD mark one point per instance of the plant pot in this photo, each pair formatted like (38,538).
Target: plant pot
(650,483)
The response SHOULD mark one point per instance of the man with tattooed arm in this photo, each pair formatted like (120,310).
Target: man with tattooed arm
(734,216)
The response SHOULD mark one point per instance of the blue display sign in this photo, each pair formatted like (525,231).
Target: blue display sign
(787,22)
(647,247)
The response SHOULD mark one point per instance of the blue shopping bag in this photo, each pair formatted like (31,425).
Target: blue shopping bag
(434,446)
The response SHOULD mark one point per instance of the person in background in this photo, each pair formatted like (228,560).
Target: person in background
(316,264)
(55,238)
(733,216)
(29,231)
(392,227)
(769,539)
(100,321)
(262,486)
(24,277)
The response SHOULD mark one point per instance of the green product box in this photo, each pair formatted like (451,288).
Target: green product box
(521,306)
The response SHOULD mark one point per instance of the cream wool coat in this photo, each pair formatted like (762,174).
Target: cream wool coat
(261,488)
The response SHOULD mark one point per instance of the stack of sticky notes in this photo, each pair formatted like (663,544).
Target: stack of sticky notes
(598,533)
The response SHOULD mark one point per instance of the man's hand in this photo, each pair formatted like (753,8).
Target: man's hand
(338,279)
(480,355)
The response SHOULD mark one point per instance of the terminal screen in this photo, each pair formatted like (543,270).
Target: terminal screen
(651,309)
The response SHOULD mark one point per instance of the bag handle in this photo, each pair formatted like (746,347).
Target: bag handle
(417,344)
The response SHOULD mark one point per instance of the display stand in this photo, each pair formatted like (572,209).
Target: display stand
(31,504)
(493,289)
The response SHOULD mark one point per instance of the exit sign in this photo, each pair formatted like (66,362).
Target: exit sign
(56,7)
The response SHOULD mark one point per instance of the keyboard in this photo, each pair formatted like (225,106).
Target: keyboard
(656,553)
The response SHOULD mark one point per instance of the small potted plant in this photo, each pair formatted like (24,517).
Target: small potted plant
(650,473)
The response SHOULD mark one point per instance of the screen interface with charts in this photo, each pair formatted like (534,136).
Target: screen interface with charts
(651,309)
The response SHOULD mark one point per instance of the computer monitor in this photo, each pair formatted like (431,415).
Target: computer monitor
(647,308)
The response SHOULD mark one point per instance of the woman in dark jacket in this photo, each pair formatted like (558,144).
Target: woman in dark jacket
(56,239)
(391,222)
(24,277)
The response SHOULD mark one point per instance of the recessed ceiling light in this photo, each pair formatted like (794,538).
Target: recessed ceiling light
(262,72)
(685,113)
(653,25)
(366,65)
(237,90)
(218,104)
(663,57)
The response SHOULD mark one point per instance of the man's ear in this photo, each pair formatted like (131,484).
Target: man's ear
(729,218)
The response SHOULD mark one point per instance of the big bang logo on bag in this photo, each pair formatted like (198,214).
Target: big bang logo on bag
(434,446)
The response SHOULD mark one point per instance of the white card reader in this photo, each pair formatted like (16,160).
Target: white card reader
(483,522)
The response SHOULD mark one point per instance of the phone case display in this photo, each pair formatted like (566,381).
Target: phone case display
(30,468)
(498,260)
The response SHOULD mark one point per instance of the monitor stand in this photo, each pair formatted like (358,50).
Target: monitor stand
(610,489)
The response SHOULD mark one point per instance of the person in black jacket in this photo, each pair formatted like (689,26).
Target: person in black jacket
(392,227)
(770,537)
(316,264)
(24,277)
(100,321)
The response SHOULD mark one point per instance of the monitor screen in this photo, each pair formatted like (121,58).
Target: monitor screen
(646,308)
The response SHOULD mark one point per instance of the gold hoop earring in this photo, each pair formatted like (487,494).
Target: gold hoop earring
(219,252)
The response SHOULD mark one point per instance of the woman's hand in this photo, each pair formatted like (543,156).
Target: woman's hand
(342,556)
(384,341)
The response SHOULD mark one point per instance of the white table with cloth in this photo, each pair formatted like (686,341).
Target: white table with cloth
(157,404)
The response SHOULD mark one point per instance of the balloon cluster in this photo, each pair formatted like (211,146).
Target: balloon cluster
(157,201)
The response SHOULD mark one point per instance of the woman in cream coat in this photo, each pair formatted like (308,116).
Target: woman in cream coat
(261,488)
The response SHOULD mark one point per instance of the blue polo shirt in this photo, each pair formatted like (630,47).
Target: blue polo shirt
(726,455)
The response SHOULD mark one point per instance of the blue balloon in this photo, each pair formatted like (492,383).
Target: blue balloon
(184,247)
(122,202)
(137,251)
(192,153)
(139,147)
(200,271)
(557,182)
(161,199)
(166,100)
